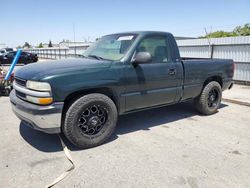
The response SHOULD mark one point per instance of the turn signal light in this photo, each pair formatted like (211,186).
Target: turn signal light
(45,101)
(41,101)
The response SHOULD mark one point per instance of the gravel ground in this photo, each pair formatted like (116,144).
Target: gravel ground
(166,147)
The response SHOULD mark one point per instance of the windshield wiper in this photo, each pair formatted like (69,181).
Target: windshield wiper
(80,55)
(96,57)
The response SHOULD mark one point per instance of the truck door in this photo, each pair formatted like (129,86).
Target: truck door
(153,83)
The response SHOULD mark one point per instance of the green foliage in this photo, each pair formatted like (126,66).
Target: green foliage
(40,45)
(218,34)
(26,45)
(238,31)
(50,44)
(242,31)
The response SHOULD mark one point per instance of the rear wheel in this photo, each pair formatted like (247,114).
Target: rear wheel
(90,120)
(210,98)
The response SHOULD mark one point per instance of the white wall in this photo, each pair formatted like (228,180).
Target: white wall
(236,48)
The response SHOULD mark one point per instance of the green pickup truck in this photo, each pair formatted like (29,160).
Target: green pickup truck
(121,73)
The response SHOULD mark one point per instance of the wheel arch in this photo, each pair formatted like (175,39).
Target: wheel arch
(213,78)
(77,94)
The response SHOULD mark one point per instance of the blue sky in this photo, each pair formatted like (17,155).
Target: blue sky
(38,21)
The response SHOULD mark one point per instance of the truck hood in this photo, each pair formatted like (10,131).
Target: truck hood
(38,71)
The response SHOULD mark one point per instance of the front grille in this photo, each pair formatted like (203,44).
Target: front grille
(20,82)
(20,94)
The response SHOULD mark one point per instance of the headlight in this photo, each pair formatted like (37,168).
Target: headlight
(39,86)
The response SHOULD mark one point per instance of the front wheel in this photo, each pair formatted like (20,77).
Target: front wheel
(210,98)
(90,120)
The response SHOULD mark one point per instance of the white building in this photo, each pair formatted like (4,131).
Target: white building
(2,45)
(75,47)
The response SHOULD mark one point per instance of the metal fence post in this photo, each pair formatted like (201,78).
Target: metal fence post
(212,51)
(59,52)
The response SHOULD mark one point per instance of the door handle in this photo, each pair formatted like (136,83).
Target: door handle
(172,72)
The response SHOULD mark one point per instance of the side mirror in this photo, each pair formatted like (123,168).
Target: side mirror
(142,57)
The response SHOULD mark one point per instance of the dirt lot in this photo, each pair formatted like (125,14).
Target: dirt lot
(167,147)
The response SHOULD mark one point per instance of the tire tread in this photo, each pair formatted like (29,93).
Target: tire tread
(75,107)
(201,101)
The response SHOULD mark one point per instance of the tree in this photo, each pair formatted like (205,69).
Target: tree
(40,45)
(26,45)
(50,44)
(242,31)
(238,31)
(218,34)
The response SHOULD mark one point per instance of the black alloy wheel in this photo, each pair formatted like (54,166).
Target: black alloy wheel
(213,98)
(92,119)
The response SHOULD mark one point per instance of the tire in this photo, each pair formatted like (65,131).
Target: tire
(90,120)
(210,98)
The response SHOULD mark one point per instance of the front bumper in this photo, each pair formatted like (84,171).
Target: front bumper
(43,118)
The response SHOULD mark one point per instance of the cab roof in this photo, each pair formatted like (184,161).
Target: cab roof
(141,33)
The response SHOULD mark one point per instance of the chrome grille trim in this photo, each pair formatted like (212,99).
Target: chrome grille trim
(20,81)
(30,92)
(20,94)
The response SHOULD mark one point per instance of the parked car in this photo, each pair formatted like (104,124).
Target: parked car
(5,50)
(25,58)
(119,74)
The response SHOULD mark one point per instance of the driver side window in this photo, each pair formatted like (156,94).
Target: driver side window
(157,47)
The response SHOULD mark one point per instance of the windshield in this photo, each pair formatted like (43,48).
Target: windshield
(111,47)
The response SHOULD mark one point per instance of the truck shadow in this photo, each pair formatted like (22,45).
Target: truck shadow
(143,120)
(39,140)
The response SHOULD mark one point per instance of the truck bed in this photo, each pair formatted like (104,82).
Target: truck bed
(197,69)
